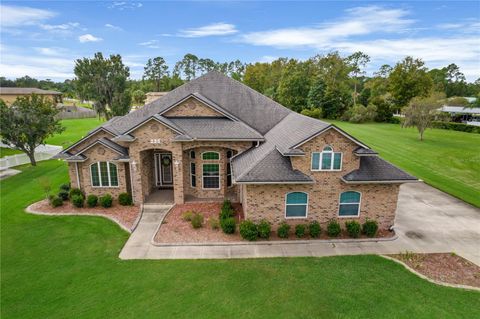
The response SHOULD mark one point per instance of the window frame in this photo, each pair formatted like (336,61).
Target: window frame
(100,175)
(332,160)
(192,152)
(306,206)
(340,204)
(193,177)
(218,153)
(218,176)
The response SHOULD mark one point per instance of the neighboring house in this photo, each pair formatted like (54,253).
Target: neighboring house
(215,138)
(10,94)
(467,115)
(152,96)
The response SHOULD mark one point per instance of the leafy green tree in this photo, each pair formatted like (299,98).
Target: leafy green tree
(357,62)
(316,94)
(294,85)
(138,96)
(104,81)
(28,122)
(188,66)
(384,106)
(315,113)
(155,71)
(421,112)
(409,78)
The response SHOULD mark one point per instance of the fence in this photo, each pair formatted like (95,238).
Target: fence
(76,115)
(42,153)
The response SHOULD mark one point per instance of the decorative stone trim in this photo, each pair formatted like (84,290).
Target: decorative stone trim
(441,283)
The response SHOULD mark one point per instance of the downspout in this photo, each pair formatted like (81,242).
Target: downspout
(131,180)
(78,177)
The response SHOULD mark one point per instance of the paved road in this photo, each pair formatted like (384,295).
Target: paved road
(428,220)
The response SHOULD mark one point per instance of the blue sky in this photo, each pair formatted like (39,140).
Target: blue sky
(43,38)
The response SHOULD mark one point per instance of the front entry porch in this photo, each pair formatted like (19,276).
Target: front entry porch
(160,196)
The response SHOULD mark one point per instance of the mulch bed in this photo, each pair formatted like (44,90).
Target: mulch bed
(124,215)
(445,267)
(175,230)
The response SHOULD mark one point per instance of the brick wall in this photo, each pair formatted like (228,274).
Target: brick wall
(192,107)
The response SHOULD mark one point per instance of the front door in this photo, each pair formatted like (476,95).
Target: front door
(163,169)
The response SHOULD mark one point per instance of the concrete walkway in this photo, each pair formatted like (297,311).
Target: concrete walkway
(428,220)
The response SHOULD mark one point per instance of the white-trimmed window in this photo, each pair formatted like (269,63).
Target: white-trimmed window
(193,175)
(210,156)
(229,168)
(211,176)
(327,160)
(192,154)
(349,204)
(104,174)
(296,205)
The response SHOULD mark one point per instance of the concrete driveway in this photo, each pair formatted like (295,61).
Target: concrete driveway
(428,220)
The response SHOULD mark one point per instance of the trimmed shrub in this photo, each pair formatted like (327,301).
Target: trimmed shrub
(353,228)
(56,201)
(300,230)
(77,200)
(228,225)
(125,199)
(197,220)
(214,223)
(92,200)
(333,228)
(248,230)
(65,187)
(283,230)
(75,191)
(314,229)
(456,127)
(227,204)
(264,229)
(63,194)
(226,213)
(106,200)
(187,216)
(370,228)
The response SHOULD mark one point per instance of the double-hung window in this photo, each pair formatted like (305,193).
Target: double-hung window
(211,176)
(327,160)
(104,174)
(296,205)
(349,204)
(193,175)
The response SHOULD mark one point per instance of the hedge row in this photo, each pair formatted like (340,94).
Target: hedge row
(77,198)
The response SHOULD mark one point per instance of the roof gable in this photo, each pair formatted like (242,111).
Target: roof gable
(192,106)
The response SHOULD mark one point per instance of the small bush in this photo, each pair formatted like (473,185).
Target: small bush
(187,216)
(56,201)
(264,229)
(248,230)
(461,127)
(63,194)
(314,229)
(92,200)
(227,204)
(214,223)
(197,220)
(65,187)
(353,228)
(333,228)
(125,199)
(300,230)
(228,225)
(226,213)
(106,200)
(370,228)
(77,200)
(75,191)
(283,230)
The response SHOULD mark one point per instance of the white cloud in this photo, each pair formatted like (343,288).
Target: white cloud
(88,38)
(122,5)
(268,58)
(215,29)
(16,16)
(468,26)
(60,27)
(113,27)
(152,44)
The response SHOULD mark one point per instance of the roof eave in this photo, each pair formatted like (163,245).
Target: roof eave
(392,181)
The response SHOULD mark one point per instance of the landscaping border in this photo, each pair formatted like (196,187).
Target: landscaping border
(441,283)
(30,210)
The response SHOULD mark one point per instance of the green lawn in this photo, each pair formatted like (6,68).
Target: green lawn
(8,152)
(58,267)
(447,160)
(75,129)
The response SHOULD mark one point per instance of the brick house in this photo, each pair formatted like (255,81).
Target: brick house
(215,138)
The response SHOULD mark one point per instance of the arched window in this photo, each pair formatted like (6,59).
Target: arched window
(296,205)
(327,160)
(349,204)
(208,156)
(104,174)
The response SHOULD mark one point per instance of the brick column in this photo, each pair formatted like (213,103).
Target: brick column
(177,158)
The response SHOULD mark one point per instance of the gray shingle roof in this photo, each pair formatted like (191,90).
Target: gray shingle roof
(215,128)
(273,168)
(361,151)
(15,91)
(376,169)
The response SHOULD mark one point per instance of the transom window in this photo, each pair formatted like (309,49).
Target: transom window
(327,160)
(193,175)
(104,174)
(296,205)
(211,176)
(349,204)
(207,156)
